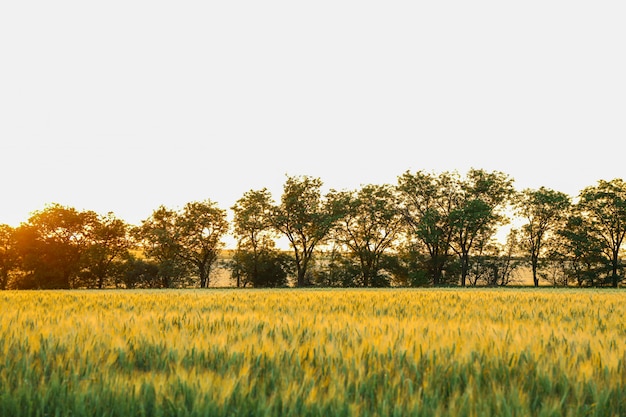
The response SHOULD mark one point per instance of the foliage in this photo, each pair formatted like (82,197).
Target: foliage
(52,246)
(305,218)
(430,229)
(183,241)
(140,273)
(427,202)
(8,254)
(544,210)
(410,266)
(605,208)
(448,213)
(110,242)
(478,212)
(200,228)
(334,268)
(266,268)
(586,263)
(368,226)
(256,258)
(252,222)
(158,239)
(496,264)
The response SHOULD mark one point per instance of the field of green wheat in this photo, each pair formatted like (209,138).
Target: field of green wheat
(429,352)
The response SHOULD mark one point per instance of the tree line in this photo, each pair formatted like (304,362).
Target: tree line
(428,229)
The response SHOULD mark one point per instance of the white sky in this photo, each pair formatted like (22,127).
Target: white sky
(126,105)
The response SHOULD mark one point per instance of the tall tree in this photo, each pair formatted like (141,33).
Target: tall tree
(252,223)
(8,254)
(368,227)
(158,238)
(305,218)
(605,207)
(110,241)
(477,212)
(584,249)
(427,201)
(200,228)
(52,245)
(544,210)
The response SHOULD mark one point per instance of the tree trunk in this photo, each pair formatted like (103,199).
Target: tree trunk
(4,279)
(366,273)
(300,272)
(464,268)
(301,277)
(614,265)
(437,268)
(204,277)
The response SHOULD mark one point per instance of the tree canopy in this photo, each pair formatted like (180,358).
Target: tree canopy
(428,229)
(543,210)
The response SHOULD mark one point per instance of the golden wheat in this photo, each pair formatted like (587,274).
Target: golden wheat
(313,352)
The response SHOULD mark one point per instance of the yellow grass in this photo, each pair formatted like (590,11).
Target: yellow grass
(314,352)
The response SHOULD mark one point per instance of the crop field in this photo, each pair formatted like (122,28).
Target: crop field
(428,352)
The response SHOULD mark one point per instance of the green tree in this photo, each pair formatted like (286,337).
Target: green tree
(411,266)
(305,218)
(604,206)
(139,273)
(265,268)
(583,249)
(544,211)
(427,201)
(369,224)
(337,268)
(199,230)
(252,223)
(183,241)
(110,241)
(477,211)
(8,254)
(158,237)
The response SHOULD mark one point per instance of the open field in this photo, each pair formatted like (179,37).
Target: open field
(473,352)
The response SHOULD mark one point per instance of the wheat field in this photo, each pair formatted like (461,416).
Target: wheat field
(393,352)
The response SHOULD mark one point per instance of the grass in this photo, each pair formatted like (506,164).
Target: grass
(313,353)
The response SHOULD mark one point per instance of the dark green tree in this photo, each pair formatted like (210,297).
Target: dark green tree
(265,268)
(544,211)
(427,201)
(109,242)
(305,218)
(199,229)
(477,212)
(584,249)
(158,237)
(368,227)
(604,207)
(139,273)
(411,265)
(184,241)
(337,268)
(252,224)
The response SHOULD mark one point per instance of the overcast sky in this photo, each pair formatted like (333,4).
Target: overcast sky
(126,105)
